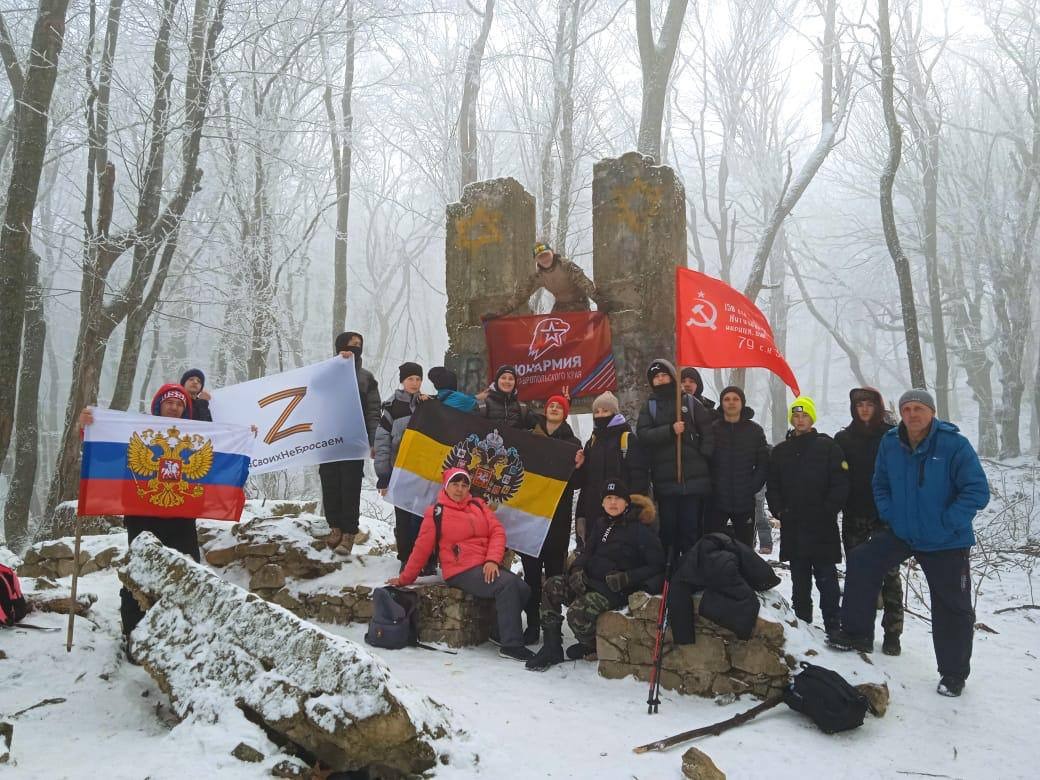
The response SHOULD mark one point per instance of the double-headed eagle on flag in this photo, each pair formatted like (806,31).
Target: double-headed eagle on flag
(171,462)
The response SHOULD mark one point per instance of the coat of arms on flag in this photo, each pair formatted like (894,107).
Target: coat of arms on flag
(173,464)
(496,471)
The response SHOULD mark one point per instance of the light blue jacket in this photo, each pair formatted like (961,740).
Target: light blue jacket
(929,497)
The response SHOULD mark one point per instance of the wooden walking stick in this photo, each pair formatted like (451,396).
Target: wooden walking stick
(714,729)
(75,583)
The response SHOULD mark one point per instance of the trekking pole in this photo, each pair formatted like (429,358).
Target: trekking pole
(653,698)
(75,583)
(678,437)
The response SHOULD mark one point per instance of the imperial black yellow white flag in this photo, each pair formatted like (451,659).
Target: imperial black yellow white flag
(520,475)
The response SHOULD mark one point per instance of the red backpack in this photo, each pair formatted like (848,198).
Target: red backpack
(13,606)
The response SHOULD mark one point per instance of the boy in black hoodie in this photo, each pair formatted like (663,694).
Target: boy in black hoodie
(623,555)
(860,441)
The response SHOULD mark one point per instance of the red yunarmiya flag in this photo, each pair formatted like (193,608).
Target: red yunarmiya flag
(550,351)
(718,327)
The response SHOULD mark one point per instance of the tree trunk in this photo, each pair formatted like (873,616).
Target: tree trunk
(31,118)
(656,58)
(888,219)
(468,163)
(342,154)
(26,454)
(778,308)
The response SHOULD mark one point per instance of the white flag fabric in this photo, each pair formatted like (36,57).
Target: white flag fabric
(305,416)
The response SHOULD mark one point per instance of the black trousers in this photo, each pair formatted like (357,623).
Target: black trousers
(551,560)
(406,531)
(803,570)
(341,493)
(175,533)
(680,523)
(738,525)
(949,584)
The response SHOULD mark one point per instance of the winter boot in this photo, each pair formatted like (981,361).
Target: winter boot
(580,651)
(552,649)
(334,538)
(516,653)
(950,686)
(891,645)
(346,544)
(842,640)
(533,630)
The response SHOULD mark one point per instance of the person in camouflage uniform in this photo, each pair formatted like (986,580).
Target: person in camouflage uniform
(860,441)
(622,555)
(569,285)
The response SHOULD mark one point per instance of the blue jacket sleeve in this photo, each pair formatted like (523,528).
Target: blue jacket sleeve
(882,487)
(970,485)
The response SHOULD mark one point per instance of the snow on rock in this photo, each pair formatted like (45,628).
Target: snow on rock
(62,522)
(56,558)
(213,646)
(8,558)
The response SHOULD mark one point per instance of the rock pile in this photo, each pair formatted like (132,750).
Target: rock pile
(56,559)
(716,664)
(63,523)
(211,646)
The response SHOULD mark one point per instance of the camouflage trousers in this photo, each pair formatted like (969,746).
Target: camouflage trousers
(854,532)
(584,605)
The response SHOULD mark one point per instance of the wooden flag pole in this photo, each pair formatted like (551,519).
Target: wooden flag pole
(75,583)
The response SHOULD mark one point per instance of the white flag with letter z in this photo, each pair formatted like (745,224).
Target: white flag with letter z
(305,416)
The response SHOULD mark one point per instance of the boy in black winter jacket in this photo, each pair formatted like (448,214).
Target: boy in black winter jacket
(194,381)
(807,487)
(502,402)
(622,555)
(680,498)
(738,468)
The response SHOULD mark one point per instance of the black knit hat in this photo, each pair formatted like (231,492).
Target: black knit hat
(506,369)
(616,487)
(444,378)
(193,372)
(659,367)
(738,391)
(406,370)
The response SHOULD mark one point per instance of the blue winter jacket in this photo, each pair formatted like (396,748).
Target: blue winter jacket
(457,400)
(929,497)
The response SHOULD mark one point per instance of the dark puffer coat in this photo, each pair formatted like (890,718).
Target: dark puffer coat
(859,443)
(807,487)
(658,441)
(729,572)
(627,543)
(740,463)
(605,460)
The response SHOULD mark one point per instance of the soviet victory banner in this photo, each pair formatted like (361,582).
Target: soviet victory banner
(135,464)
(550,351)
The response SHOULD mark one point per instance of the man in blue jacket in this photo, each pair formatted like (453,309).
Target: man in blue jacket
(928,486)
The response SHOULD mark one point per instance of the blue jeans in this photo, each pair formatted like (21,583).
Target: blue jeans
(949,582)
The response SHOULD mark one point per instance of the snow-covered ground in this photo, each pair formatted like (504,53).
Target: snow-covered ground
(567,722)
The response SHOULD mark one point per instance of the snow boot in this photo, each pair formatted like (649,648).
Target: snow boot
(516,653)
(950,686)
(580,651)
(891,645)
(346,544)
(534,628)
(842,640)
(552,649)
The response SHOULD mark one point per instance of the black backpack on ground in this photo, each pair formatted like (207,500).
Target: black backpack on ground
(827,698)
(395,619)
(13,606)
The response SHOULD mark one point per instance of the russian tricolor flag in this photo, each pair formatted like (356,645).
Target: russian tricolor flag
(136,464)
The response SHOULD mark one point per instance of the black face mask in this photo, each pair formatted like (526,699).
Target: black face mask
(599,423)
(355,350)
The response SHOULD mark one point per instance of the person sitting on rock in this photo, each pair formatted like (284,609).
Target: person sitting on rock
(622,555)
(568,284)
(471,543)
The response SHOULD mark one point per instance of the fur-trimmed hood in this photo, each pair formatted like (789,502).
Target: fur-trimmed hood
(643,508)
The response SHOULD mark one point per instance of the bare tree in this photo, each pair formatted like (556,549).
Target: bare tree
(656,57)
(888,219)
(467,125)
(17,263)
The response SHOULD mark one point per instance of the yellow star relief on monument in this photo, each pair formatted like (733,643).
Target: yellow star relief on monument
(480,227)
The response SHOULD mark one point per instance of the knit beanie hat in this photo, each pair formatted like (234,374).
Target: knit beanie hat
(736,391)
(616,488)
(506,369)
(562,402)
(193,372)
(803,403)
(659,367)
(172,391)
(540,247)
(918,395)
(406,370)
(444,378)
(607,401)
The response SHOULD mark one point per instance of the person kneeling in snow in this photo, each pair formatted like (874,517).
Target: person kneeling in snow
(622,555)
(471,545)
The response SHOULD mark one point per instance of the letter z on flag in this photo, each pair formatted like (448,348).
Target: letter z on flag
(550,351)
(718,327)
(305,416)
(136,464)
(521,476)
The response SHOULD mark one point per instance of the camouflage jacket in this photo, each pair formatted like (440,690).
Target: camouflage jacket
(569,285)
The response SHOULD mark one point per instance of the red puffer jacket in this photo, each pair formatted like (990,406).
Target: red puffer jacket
(470,536)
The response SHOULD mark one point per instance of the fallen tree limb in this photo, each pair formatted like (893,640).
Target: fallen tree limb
(713,730)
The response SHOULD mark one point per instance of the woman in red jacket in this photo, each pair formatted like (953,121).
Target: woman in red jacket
(472,544)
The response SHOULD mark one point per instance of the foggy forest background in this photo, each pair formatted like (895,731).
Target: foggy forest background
(226,184)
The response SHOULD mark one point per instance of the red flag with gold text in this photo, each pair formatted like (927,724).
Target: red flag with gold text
(718,327)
